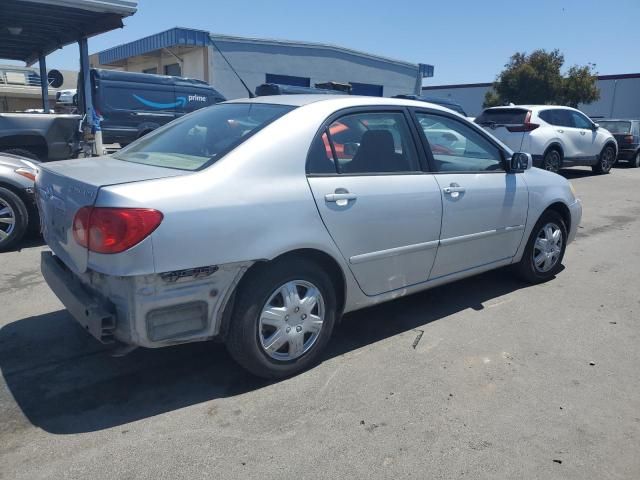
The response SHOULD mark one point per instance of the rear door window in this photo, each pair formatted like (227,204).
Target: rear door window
(365,143)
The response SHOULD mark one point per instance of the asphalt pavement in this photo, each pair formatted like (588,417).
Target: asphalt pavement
(487,378)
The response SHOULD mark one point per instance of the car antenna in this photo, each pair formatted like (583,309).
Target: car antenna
(251,94)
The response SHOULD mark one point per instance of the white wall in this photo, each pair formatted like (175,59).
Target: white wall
(253,60)
(625,103)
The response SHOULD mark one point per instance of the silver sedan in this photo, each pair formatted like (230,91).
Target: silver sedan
(261,222)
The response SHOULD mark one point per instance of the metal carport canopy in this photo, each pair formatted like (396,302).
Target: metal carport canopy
(30,29)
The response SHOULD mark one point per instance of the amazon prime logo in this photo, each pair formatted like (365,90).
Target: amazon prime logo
(197,98)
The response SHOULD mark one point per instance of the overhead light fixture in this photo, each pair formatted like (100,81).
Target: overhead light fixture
(15,30)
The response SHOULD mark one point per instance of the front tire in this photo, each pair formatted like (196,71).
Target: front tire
(542,258)
(605,161)
(283,318)
(14,219)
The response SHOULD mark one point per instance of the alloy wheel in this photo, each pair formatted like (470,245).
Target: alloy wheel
(7,220)
(547,247)
(291,320)
(552,162)
(606,159)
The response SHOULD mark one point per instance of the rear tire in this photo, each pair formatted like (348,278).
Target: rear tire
(542,257)
(605,161)
(635,161)
(275,336)
(552,161)
(14,219)
(21,152)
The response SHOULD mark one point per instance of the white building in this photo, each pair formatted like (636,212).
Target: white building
(213,58)
(619,96)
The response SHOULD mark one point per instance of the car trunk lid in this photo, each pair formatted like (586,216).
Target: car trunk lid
(65,187)
(509,125)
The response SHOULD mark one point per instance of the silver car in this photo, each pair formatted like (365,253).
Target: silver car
(261,222)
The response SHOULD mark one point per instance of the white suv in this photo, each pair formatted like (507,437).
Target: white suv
(556,137)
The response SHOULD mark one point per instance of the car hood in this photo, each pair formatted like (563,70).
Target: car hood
(9,160)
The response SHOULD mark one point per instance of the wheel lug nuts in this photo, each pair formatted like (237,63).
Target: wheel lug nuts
(304,316)
(297,309)
(288,329)
(298,329)
(286,318)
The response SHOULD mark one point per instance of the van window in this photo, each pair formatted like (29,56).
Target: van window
(200,139)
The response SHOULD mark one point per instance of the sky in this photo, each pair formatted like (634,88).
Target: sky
(467,41)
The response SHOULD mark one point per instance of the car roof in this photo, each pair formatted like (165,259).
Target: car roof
(618,120)
(340,101)
(530,107)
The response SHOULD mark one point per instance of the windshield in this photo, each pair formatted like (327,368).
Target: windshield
(615,126)
(197,140)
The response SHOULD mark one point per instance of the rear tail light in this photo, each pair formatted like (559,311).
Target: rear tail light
(113,230)
(627,139)
(527,126)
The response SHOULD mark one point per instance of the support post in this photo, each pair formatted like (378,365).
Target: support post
(44,83)
(86,81)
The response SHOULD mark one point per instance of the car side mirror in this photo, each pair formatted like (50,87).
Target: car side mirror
(595,126)
(520,162)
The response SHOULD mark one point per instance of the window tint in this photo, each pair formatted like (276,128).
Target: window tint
(580,121)
(371,143)
(558,117)
(320,157)
(202,137)
(615,126)
(502,116)
(457,147)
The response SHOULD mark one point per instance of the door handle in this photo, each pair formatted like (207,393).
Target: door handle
(453,189)
(560,130)
(337,197)
(582,132)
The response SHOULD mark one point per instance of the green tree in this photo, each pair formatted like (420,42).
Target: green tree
(536,79)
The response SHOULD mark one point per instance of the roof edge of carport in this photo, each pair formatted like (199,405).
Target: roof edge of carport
(123,8)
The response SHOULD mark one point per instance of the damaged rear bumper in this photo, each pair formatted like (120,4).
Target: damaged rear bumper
(146,310)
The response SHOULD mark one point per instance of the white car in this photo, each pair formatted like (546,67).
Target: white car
(556,137)
(67,97)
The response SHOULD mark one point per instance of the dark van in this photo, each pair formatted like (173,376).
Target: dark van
(133,104)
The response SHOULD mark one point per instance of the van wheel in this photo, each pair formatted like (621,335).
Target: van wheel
(21,152)
(542,258)
(283,318)
(552,161)
(605,161)
(14,219)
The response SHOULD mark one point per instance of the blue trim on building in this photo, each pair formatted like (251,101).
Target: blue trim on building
(169,38)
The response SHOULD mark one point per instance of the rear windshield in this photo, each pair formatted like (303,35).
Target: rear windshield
(502,116)
(199,139)
(615,127)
